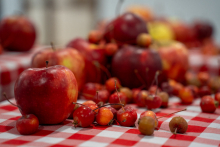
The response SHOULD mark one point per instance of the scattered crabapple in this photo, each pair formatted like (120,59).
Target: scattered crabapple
(208,104)
(117,98)
(104,116)
(146,125)
(127,116)
(178,125)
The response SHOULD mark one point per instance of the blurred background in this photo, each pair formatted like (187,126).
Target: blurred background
(61,21)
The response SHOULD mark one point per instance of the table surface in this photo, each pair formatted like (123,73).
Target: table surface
(203,130)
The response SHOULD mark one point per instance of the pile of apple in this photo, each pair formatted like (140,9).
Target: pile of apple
(121,62)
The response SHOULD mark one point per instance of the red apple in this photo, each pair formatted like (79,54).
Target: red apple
(125,29)
(91,53)
(27,124)
(67,57)
(48,93)
(17,33)
(130,59)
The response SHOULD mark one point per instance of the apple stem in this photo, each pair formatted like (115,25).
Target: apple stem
(171,113)
(78,104)
(139,77)
(52,46)
(108,105)
(103,68)
(47,62)
(118,94)
(118,7)
(4,94)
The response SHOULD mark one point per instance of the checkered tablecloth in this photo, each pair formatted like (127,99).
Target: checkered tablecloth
(11,65)
(203,130)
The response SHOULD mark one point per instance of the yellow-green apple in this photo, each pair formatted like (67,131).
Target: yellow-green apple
(68,57)
(175,60)
(17,33)
(92,54)
(48,93)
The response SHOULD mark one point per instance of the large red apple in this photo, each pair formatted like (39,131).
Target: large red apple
(125,29)
(67,57)
(17,33)
(91,53)
(48,93)
(131,58)
(175,61)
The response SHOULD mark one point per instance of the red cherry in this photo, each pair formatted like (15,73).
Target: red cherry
(83,116)
(27,124)
(115,99)
(140,99)
(208,104)
(153,102)
(104,116)
(127,116)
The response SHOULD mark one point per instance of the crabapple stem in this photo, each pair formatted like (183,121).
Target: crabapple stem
(118,94)
(155,79)
(4,94)
(107,105)
(118,7)
(47,62)
(97,95)
(78,104)
(52,46)
(103,68)
(171,113)
(139,77)
(175,131)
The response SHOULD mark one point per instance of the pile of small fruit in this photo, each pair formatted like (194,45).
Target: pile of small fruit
(121,62)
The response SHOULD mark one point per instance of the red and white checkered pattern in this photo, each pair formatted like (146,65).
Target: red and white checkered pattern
(203,130)
(11,65)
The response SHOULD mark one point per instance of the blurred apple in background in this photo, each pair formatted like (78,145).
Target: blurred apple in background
(1,49)
(67,57)
(131,58)
(93,55)
(125,29)
(175,60)
(17,33)
(48,93)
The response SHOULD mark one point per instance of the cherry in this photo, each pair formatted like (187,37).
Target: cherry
(27,124)
(151,114)
(186,95)
(102,97)
(208,104)
(118,98)
(111,49)
(127,116)
(104,116)
(89,90)
(95,36)
(165,99)
(178,125)
(83,116)
(141,97)
(110,84)
(128,93)
(144,40)
(217,97)
(204,90)
(146,125)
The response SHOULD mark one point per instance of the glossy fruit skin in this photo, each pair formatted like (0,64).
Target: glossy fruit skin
(89,90)
(48,93)
(165,99)
(128,93)
(110,84)
(83,116)
(103,96)
(153,89)
(127,116)
(208,104)
(153,102)
(27,124)
(95,36)
(179,123)
(67,57)
(104,116)
(141,97)
(119,29)
(217,97)
(17,33)
(137,59)
(151,114)
(115,99)
(111,49)
(146,125)
(186,95)
(114,111)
